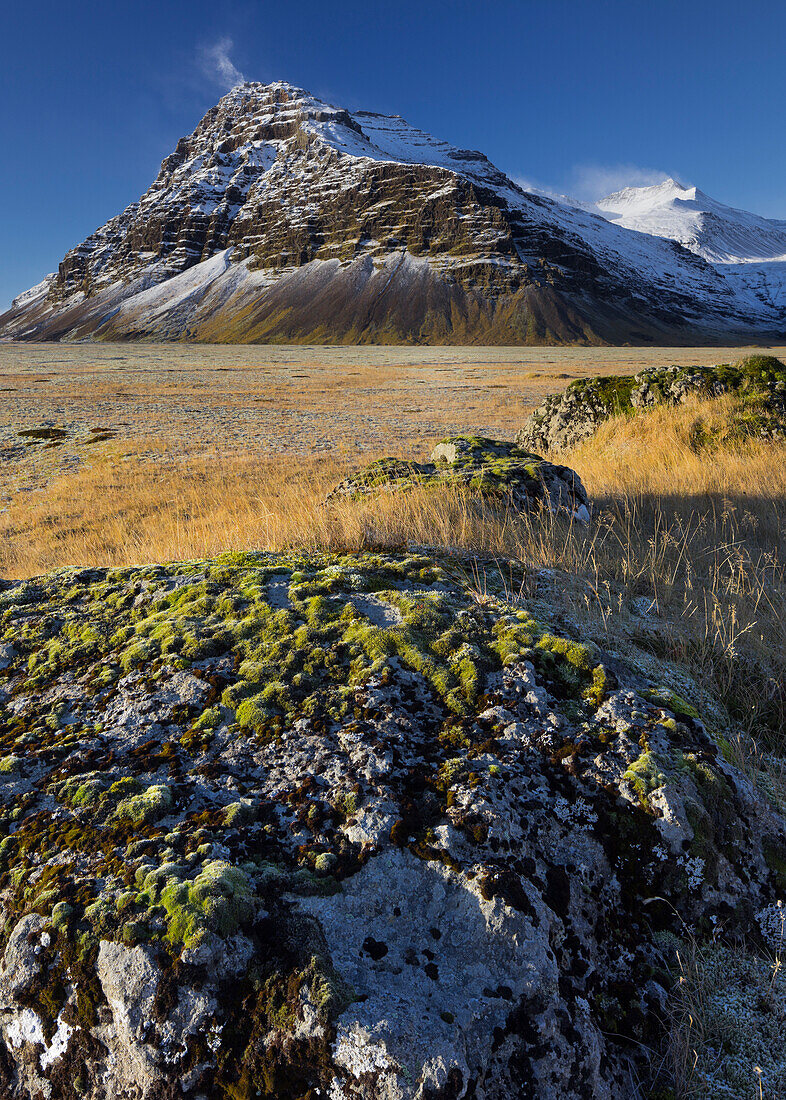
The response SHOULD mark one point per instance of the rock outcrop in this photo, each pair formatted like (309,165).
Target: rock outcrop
(489,467)
(301,826)
(564,420)
(282,218)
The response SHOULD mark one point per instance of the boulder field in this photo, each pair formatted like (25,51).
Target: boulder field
(352,827)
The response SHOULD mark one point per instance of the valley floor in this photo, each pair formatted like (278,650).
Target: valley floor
(89,431)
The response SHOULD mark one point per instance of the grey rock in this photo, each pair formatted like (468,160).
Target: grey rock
(414,867)
(489,468)
(22,959)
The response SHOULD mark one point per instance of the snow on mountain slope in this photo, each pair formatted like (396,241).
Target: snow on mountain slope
(282,217)
(764,282)
(718,233)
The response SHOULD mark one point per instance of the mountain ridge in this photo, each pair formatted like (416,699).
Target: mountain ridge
(283,218)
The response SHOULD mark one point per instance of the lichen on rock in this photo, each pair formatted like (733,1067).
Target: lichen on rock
(490,468)
(302,825)
(564,420)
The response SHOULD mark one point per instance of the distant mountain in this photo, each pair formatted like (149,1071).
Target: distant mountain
(713,231)
(282,218)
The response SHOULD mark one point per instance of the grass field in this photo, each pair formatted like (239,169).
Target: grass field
(153,453)
(165,452)
(172,450)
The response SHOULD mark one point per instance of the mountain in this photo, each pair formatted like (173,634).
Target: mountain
(282,218)
(747,250)
(711,230)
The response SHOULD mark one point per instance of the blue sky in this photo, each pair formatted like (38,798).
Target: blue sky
(579,96)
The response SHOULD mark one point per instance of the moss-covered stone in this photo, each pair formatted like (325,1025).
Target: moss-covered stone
(493,470)
(294,723)
(759,381)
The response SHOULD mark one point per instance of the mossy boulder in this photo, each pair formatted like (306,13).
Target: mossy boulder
(492,469)
(564,420)
(354,826)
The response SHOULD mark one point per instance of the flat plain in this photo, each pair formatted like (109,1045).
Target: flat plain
(123,453)
(176,401)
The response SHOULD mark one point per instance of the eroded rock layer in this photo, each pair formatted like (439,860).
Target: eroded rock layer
(345,826)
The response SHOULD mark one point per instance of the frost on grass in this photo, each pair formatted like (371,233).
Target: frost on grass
(727,1022)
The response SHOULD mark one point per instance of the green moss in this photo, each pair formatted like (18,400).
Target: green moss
(578,673)
(775,855)
(138,654)
(120,872)
(124,787)
(325,862)
(670,700)
(219,898)
(211,718)
(61,913)
(253,715)
(645,776)
(347,802)
(612,393)
(451,772)
(239,813)
(146,807)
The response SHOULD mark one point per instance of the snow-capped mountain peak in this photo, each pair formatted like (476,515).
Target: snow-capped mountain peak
(720,234)
(284,217)
(667,191)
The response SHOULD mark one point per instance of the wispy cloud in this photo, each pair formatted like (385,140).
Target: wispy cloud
(218,66)
(594,181)
(590,182)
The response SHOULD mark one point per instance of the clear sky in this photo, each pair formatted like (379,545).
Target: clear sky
(577,96)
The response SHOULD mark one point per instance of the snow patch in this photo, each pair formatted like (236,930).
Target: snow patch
(718,233)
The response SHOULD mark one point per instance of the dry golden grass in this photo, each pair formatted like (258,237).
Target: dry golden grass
(702,533)
(698,533)
(181,399)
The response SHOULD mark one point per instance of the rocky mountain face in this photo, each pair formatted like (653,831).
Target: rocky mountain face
(359,827)
(283,218)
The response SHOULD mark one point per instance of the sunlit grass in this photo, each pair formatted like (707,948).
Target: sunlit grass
(698,534)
